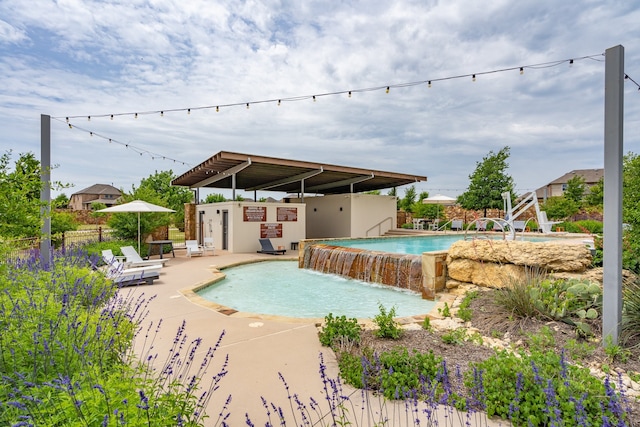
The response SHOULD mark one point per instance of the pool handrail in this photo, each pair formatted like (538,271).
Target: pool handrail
(498,221)
(443,227)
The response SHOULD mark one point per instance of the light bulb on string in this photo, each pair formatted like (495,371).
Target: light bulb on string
(161,113)
(88,118)
(314,98)
(387,89)
(135,116)
(247,105)
(473,78)
(349,94)
(429,83)
(70,126)
(67,119)
(521,70)
(188,110)
(90,133)
(278,102)
(217,109)
(112,117)
(571,63)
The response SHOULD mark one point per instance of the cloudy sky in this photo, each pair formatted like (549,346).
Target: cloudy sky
(72,58)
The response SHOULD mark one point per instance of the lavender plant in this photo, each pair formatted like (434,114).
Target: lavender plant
(66,354)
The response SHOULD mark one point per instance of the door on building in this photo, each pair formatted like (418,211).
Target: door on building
(225,230)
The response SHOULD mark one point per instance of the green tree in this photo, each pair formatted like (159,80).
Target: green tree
(409,198)
(595,194)
(488,182)
(61,201)
(576,189)
(173,197)
(560,207)
(20,187)
(214,198)
(631,211)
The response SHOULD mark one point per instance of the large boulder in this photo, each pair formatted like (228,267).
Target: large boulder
(552,256)
(486,274)
(496,263)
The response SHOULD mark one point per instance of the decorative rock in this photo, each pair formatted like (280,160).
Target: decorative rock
(495,264)
(554,256)
(445,324)
(485,274)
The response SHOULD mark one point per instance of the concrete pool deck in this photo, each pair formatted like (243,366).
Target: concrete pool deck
(259,348)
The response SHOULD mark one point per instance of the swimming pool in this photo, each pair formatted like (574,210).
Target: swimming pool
(281,288)
(415,245)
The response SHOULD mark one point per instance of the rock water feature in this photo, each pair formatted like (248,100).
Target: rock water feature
(392,269)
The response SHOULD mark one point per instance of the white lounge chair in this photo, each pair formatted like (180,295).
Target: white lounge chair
(123,276)
(135,260)
(193,248)
(456,224)
(208,245)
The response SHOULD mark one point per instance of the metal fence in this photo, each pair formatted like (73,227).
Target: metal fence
(21,248)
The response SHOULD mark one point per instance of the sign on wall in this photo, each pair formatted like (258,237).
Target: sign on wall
(270,231)
(287,214)
(254,214)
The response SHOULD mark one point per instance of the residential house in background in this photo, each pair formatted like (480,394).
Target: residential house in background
(97,193)
(558,186)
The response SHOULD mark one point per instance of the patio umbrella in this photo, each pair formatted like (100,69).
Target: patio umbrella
(136,206)
(439,199)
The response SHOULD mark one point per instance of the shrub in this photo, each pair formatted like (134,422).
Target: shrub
(66,353)
(543,389)
(515,296)
(387,326)
(338,332)
(630,327)
(464,312)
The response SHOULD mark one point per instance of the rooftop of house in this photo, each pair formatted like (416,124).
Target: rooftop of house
(102,189)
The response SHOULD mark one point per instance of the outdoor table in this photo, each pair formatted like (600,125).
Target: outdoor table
(160,244)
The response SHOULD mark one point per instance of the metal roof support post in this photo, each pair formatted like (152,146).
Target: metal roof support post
(302,189)
(233,187)
(612,233)
(45,190)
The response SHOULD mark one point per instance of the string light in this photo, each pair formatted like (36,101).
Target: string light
(88,118)
(247,105)
(161,113)
(349,94)
(189,111)
(387,88)
(139,150)
(314,98)
(112,117)
(473,78)
(570,62)
(135,116)
(278,102)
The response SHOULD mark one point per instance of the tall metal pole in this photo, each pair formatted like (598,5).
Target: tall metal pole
(613,146)
(45,191)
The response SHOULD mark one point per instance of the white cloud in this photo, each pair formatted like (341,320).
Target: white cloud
(92,57)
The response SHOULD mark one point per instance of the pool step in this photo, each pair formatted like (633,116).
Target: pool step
(404,232)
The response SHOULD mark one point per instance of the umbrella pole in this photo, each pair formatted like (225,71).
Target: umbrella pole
(138,232)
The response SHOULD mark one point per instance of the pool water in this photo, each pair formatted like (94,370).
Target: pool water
(281,288)
(413,245)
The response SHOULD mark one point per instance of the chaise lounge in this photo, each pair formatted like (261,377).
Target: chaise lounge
(135,260)
(267,248)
